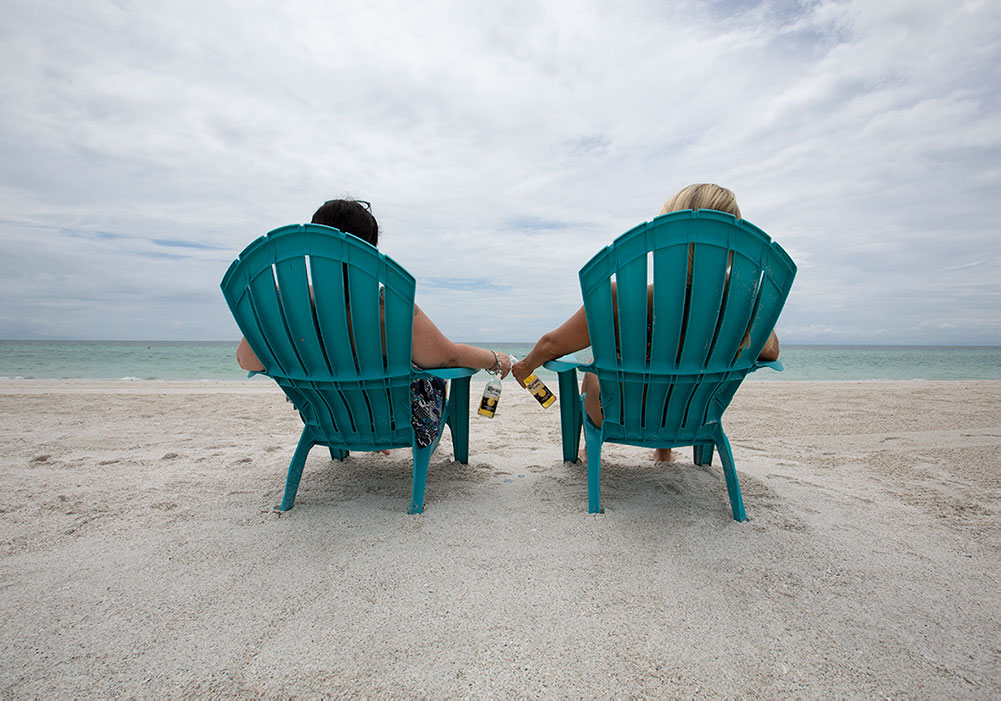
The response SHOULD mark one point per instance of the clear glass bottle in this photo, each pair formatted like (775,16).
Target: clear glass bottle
(491,395)
(534,385)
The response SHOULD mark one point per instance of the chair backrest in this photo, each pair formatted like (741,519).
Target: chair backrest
(342,357)
(668,368)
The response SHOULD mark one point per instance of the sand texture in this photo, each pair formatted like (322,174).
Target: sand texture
(142,555)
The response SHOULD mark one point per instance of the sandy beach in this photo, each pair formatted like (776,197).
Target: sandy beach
(143,556)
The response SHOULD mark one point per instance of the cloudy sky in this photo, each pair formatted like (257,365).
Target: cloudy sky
(501,145)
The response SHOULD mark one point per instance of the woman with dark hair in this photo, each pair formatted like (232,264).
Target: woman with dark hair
(431,348)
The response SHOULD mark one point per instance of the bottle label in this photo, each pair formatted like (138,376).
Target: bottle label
(539,391)
(488,405)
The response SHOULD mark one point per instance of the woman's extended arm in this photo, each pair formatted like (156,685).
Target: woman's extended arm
(568,338)
(573,335)
(432,349)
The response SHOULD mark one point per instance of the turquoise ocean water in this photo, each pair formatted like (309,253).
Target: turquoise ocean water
(216,360)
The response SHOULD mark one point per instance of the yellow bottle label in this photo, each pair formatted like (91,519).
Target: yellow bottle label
(539,391)
(488,405)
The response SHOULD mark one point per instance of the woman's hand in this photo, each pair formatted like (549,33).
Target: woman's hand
(521,370)
(570,337)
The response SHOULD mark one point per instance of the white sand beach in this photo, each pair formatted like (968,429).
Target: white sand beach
(142,555)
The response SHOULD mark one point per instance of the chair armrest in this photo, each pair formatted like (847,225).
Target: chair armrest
(449,373)
(571,409)
(561,365)
(457,407)
(774,365)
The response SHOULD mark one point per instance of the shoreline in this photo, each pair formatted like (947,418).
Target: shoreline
(142,555)
(80,381)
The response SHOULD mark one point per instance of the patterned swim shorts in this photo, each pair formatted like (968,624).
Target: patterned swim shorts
(427,405)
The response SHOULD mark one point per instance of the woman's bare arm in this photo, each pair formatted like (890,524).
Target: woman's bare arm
(246,358)
(771,350)
(571,336)
(432,349)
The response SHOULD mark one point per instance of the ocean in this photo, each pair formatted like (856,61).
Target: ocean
(216,360)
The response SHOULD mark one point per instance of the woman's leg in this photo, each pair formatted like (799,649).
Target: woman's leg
(592,402)
(662,455)
(592,405)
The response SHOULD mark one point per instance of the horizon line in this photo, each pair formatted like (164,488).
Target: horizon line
(483,343)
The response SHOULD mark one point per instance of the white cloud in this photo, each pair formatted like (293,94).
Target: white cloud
(497,142)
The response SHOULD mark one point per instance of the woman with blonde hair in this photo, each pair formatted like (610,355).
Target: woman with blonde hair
(573,335)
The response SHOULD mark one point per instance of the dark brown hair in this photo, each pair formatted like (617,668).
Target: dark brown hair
(351,217)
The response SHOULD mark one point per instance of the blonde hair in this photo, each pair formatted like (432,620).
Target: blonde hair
(703,196)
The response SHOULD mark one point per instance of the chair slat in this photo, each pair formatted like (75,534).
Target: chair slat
(741,294)
(398,326)
(600,314)
(398,295)
(364,303)
(631,287)
(246,319)
(698,402)
(293,286)
(331,315)
(708,276)
(778,272)
(653,410)
(766,315)
(264,295)
(676,408)
(670,270)
(611,398)
(321,411)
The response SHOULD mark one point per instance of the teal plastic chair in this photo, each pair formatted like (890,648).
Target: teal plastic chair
(668,373)
(343,362)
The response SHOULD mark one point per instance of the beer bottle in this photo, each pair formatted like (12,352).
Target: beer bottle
(491,395)
(534,385)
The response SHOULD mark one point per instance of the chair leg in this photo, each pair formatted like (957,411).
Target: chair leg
(422,457)
(458,418)
(592,435)
(295,470)
(570,414)
(338,453)
(730,472)
(703,453)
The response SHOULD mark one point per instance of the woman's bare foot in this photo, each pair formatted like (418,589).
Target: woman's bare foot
(663,455)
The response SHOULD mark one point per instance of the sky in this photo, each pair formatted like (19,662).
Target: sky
(501,145)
